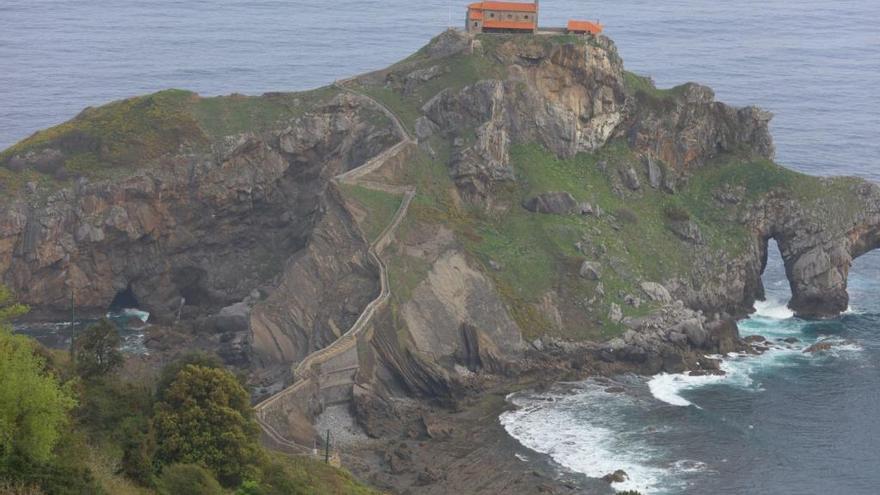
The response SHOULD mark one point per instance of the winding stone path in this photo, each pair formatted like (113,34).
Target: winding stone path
(308,374)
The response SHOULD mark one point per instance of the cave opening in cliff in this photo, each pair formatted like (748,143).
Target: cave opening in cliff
(190,285)
(124,299)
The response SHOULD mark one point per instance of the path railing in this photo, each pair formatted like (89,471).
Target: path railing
(307,373)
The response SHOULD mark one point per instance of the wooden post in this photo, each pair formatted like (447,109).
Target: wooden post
(72,321)
(327,448)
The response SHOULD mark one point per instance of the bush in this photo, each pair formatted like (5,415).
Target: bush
(626,216)
(33,404)
(189,479)
(169,372)
(676,213)
(205,417)
(97,350)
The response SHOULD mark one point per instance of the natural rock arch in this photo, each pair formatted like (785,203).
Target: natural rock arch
(818,243)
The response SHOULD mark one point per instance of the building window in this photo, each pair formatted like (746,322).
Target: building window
(526,16)
(476,24)
(491,14)
(510,16)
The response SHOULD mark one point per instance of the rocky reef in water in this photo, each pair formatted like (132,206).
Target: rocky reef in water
(569,218)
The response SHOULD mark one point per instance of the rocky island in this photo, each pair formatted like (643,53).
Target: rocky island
(403,248)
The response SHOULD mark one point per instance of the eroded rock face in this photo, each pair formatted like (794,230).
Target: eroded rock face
(688,129)
(569,97)
(198,232)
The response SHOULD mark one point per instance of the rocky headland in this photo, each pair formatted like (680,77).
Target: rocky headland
(508,210)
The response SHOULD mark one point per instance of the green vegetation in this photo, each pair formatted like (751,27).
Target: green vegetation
(641,85)
(379,206)
(101,434)
(33,402)
(124,133)
(114,139)
(97,350)
(205,417)
(188,478)
(221,116)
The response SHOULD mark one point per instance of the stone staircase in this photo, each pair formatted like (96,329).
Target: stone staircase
(327,376)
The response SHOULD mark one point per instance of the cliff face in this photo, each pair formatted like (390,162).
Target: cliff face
(207,232)
(560,201)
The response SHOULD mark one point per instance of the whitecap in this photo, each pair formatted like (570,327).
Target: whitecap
(582,432)
(773,310)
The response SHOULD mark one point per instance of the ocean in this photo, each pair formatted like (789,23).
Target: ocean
(782,423)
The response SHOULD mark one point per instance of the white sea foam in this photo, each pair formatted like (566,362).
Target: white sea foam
(580,431)
(773,309)
(668,387)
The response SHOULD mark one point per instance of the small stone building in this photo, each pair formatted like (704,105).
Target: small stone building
(502,17)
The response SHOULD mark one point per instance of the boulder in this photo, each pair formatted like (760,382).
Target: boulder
(687,230)
(591,270)
(630,178)
(618,476)
(656,292)
(819,347)
(693,328)
(655,174)
(424,128)
(557,203)
(615,314)
(586,209)
(450,42)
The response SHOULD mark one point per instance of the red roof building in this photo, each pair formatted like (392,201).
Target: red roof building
(502,17)
(518,17)
(584,27)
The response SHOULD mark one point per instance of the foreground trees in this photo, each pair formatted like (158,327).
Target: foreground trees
(33,404)
(205,418)
(97,350)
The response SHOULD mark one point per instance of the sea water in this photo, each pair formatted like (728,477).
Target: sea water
(784,422)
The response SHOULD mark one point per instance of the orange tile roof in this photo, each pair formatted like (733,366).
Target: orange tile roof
(493,24)
(585,26)
(505,6)
(476,15)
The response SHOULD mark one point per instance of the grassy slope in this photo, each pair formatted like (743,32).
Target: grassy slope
(116,138)
(379,205)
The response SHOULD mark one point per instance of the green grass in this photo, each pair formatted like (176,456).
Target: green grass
(380,207)
(636,84)
(108,141)
(307,476)
(123,133)
(227,115)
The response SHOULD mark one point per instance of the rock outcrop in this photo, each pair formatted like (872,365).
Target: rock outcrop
(193,233)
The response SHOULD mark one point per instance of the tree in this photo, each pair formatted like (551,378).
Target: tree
(204,417)
(170,371)
(33,404)
(97,350)
(9,309)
